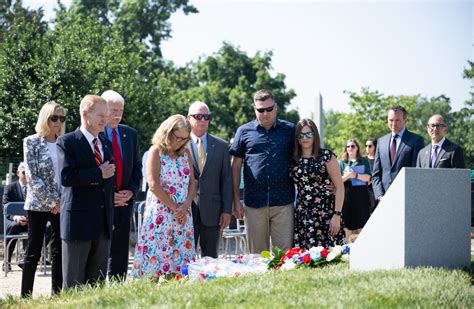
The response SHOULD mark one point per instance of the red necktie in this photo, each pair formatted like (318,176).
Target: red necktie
(117,159)
(97,155)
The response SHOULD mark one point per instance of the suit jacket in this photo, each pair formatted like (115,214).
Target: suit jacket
(214,185)
(12,193)
(87,198)
(384,171)
(132,163)
(450,156)
(42,190)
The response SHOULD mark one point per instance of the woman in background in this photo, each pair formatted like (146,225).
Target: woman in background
(166,240)
(355,172)
(318,211)
(370,148)
(43,195)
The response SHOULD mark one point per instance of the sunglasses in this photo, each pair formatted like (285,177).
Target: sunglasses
(23,172)
(436,126)
(201,117)
(263,110)
(55,118)
(351,146)
(179,138)
(369,146)
(307,134)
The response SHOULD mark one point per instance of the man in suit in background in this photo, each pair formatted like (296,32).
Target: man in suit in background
(128,168)
(88,181)
(212,206)
(15,192)
(441,153)
(395,150)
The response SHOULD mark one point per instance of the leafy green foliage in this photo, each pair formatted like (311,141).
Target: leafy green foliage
(95,46)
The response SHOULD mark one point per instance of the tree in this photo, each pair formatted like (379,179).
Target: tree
(226,81)
(367,117)
(24,77)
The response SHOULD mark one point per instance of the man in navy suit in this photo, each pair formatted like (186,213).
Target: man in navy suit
(395,150)
(128,168)
(88,181)
(15,192)
(441,152)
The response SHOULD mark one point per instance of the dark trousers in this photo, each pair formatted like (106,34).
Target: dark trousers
(207,237)
(37,221)
(14,228)
(118,258)
(85,261)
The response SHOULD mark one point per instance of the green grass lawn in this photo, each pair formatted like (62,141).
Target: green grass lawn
(332,286)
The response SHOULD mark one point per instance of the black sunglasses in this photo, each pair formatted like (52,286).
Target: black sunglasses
(263,110)
(307,134)
(369,146)
(55,118)
(351,146)
(201,117)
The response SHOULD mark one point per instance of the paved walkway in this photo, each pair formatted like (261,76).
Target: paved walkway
(12,283)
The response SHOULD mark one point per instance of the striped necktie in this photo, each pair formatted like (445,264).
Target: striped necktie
(97,155)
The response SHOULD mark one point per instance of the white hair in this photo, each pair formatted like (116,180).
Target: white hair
(196,105)
(112,96)
(21,166)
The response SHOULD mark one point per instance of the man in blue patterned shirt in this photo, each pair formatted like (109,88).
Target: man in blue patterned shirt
(265,146)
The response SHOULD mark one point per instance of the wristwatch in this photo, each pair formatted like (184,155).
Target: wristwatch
(338,213)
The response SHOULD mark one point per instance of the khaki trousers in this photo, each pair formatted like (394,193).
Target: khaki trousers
(273,223)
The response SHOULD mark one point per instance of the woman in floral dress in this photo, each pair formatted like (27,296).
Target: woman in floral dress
(318,211)
(166,240)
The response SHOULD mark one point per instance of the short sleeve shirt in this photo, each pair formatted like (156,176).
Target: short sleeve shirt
(267,156)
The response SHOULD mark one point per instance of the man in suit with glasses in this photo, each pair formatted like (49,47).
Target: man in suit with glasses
(441,152)
(212,206)
(128,167)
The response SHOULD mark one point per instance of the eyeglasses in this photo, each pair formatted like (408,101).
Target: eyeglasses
(201,117)
(307,134)
(351,146)
(369,146)
(55,118)
(179,138)
(267,109)
(435,126)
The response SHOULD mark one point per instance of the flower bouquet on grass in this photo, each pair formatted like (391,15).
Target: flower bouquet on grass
(312,258)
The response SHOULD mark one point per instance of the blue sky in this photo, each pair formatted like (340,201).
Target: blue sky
(396,47)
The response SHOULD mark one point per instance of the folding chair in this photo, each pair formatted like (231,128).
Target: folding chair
(11,209)
(238,234)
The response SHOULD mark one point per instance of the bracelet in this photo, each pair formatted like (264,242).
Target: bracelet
(357,176)
(338,212)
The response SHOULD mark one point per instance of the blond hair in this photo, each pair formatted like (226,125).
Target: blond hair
(89,103)
(162,137)
(48,110)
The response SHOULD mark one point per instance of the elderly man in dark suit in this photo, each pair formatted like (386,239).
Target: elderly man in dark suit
(441,153)
(395,150)
(15,192)
(88,181)
(212,206)
(128,168)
